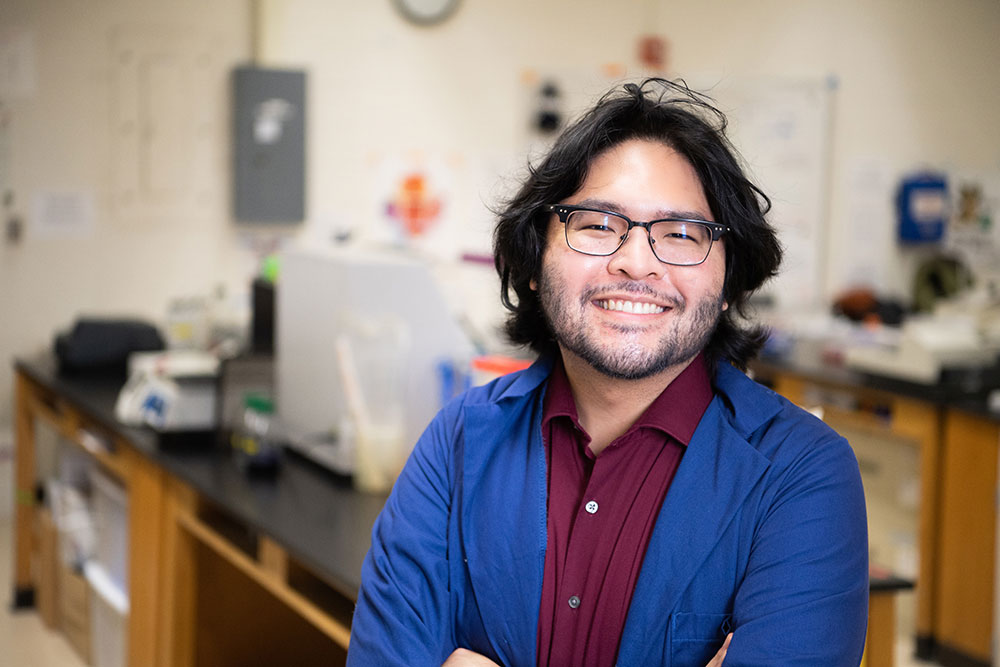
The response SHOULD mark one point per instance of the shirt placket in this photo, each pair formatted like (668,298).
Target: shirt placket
(575,610)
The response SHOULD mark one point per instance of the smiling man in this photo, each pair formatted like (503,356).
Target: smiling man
(632,498)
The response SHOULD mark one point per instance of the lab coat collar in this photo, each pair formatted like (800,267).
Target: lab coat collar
(528,380)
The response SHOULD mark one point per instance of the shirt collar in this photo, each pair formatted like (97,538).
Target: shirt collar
(676,411)
(559,397)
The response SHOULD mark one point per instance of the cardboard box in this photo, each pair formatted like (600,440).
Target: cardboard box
(74,610)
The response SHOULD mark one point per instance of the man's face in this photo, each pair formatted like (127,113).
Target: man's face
(629,315)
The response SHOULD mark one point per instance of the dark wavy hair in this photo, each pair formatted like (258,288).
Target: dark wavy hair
(686,121)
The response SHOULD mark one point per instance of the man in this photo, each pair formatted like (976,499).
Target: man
(632,498)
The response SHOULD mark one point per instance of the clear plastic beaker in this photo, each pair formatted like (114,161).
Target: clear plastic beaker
(377,349)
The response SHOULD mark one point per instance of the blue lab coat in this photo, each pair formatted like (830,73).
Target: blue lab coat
(763,533)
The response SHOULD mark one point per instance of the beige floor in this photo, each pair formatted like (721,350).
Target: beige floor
(24,639)
(26,642)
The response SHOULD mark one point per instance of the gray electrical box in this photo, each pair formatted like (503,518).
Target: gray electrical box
(269,124)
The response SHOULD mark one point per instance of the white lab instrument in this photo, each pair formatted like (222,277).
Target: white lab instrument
(326,295)
(170,391)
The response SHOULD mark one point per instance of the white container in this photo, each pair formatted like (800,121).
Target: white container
(67,494)
(74,521)
(110,508)
(378,456)
(108,618)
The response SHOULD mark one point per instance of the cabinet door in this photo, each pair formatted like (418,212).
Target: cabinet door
(968,521)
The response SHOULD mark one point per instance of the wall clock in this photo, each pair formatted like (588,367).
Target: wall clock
(426,12)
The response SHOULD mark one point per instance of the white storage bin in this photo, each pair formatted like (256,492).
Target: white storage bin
(110,507)
(74,522)
(67,493)
(108,618)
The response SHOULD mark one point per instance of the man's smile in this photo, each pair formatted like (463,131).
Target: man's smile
(636,307)
(631,298)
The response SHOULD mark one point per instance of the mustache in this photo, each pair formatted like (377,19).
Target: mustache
(636,289)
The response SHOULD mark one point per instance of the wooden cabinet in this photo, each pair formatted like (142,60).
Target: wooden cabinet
(205,587)
(142,480)
(238,598)
(966,555)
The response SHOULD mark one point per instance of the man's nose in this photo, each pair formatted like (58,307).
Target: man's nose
(635,257)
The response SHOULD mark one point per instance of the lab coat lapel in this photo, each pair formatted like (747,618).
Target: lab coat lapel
(503,520)
(717,472)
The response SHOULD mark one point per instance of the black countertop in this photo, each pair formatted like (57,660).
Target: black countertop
(963,390)
(317,517)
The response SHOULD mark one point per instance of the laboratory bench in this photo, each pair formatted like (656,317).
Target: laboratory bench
(223,567)
(229,568)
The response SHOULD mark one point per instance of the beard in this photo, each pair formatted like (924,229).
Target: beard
(627,356)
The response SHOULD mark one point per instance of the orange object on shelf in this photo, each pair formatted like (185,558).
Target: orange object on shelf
(499,365)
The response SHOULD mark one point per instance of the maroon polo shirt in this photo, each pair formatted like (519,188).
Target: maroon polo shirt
(601,513)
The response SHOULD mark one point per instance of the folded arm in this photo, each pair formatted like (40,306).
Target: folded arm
(402,616)
(804,598)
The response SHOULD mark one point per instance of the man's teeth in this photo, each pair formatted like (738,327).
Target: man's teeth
(631,306)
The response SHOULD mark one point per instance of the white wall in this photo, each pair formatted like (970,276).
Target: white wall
(65,132)
(918,85)
(380,86)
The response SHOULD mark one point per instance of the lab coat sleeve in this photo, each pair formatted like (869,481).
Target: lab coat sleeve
(804,599)
(402,616)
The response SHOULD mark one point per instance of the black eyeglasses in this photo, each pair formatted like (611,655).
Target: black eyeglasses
(677,241)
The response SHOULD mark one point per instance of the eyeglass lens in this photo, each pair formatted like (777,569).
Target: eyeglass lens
(673,241)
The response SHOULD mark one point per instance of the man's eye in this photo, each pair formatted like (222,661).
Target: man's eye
(593,223)
(681,234)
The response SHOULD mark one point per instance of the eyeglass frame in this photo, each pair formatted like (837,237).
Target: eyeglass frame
(563,211)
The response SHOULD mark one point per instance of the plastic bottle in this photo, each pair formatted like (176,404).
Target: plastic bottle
(256,443)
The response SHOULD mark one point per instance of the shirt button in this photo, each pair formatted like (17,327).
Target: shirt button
(574,602)
(591,507)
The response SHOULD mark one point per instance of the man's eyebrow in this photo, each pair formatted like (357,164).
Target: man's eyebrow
(602,204)
(613,207)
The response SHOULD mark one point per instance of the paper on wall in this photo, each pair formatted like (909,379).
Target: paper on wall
(62,214)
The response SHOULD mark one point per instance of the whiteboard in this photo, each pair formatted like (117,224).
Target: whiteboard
(783,130)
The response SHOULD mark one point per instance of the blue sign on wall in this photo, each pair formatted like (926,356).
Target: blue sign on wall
(922,205)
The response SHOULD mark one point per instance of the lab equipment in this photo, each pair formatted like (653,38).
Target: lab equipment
(926,346)
(324,294)
(101,345)
(170,391)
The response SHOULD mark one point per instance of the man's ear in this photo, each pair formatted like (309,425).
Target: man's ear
(533,284)
(725,306)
